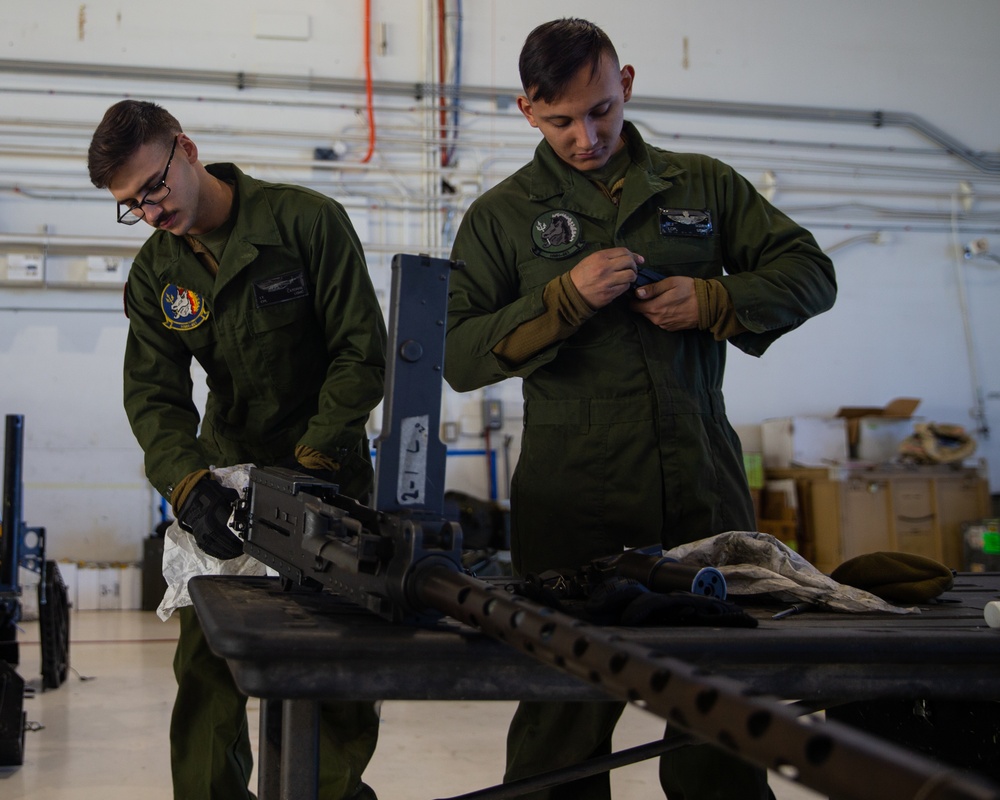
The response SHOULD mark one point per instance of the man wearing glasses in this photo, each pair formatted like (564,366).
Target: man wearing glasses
(131,211)
(266,287)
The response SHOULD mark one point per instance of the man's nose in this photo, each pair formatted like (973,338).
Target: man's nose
(586,133)
(152,216)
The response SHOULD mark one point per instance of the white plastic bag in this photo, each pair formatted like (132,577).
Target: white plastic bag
(758,563)
(183,559)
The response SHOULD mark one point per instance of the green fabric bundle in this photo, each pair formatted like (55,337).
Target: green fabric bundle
(896,577)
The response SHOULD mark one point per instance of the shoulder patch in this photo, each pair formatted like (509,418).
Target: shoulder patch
(556,234)
(182,308)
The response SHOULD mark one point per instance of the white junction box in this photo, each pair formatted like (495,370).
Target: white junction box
(803,441)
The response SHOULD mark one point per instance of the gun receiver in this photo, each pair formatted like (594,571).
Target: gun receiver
(402,560)
(312,535)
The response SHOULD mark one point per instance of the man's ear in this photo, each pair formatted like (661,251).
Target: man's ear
(524,106)
(628,77)
(186,143)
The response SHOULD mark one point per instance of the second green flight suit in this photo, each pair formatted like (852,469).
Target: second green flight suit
(626,440)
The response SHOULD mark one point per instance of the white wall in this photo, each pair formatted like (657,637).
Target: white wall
(892,206)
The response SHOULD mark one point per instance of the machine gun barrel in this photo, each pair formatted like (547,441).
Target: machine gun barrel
(833,759)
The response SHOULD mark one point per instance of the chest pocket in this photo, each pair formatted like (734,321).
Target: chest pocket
(202,341)
(288,341)
(281,328)
(537,272)
(693,256)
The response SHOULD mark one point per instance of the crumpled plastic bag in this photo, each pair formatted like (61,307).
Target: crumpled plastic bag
(758,563)
(183,559)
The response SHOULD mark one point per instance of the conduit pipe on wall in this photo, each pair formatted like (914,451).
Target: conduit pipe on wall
(978,411)
(393,134)
(103,245)
(987,163)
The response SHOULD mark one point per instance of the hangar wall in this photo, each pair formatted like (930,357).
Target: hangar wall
(875,124)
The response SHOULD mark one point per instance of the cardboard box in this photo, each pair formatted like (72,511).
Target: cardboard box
(87,587)
(779,514)
(130,586)
(879,438)
(108,588)
(805,441)
(874,434)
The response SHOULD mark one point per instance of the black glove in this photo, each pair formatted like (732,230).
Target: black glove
(609,600)
(684,608)
(205,514)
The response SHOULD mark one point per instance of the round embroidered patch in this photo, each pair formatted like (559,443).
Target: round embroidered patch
(182,308)
(556,234)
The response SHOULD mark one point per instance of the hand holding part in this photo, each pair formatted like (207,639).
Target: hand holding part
(205,514)
(670,304)
(645,276)
(605,275)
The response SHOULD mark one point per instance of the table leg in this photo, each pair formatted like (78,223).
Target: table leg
(269,751)
(299,750)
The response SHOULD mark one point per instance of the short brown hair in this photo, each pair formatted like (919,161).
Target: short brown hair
(555,51)
(126,126)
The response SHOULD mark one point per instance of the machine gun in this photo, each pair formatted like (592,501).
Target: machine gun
(402,560)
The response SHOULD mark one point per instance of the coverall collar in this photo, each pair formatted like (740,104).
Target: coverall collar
(648,174)
(255,225)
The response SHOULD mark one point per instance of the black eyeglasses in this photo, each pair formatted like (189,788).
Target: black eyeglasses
(154,196)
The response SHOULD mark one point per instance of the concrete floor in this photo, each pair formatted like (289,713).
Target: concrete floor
(102,735)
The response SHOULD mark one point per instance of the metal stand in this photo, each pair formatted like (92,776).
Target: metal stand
(24,546)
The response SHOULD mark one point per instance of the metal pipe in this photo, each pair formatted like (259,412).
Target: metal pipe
(987,163)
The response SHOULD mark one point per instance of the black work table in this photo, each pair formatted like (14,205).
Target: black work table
(306,646)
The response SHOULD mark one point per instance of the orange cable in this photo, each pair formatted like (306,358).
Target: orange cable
(368,82)
(442,102)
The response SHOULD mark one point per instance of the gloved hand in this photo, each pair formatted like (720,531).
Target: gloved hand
(205,514)
(328,475)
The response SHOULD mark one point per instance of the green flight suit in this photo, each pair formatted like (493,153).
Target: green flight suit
(626,440)
(292,341)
